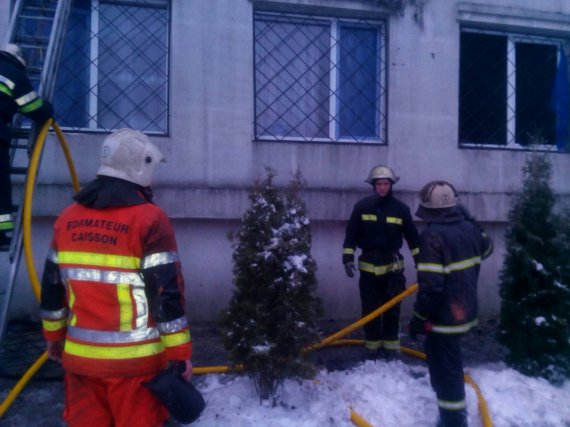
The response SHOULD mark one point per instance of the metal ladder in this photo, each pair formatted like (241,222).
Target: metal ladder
(39,28)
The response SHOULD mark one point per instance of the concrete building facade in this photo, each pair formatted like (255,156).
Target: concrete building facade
(216,142)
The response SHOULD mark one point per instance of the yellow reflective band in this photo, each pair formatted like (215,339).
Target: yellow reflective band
(54,325)
(125,307)
(373,345)
(6,90)
(430,268)
(32,106)
(392,345)
(415,251)
(463,265)
(450,405)
(457,329)
(446,269)
(379,270)
(178,338)
(113,353)
(73,320)
(100,260)
(8,225)
(348,251)
(369,217)
(394,220)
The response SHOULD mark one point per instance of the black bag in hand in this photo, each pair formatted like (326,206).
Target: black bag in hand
(180,397)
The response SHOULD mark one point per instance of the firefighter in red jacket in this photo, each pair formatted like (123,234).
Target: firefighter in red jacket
(16,95)
(112,304)
(451,249)
(378,225)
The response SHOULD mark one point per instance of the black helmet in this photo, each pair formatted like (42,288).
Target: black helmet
(180,397)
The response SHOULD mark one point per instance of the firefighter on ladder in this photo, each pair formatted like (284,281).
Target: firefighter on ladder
(451,250)
(16,95)
(112,300)
(378,225)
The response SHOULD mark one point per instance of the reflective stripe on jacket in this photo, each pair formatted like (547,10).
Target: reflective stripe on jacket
(112,287)
(378,226)
(448,270)
(17,95)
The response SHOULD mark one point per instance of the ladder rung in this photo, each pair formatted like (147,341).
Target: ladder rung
(34,8)
(16,146)
(35,17)
(31,41)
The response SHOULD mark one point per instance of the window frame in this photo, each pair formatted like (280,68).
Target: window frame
(93,83)
(334,24)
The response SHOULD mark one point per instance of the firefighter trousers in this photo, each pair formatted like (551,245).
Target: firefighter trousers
(445,365)
(111,402)
(374,292)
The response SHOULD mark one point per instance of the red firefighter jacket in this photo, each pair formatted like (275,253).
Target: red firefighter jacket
(112,285)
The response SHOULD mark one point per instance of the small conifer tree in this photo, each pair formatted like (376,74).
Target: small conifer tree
(535,300)
(273,314)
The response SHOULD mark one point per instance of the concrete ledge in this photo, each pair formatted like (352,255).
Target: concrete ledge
(230,203)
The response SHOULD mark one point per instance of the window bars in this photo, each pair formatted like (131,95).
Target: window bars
(319,79)
(114,70)
(513,91)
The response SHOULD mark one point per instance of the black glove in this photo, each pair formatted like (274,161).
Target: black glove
(350,269)
(417,327)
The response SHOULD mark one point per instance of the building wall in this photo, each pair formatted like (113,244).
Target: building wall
(212,159)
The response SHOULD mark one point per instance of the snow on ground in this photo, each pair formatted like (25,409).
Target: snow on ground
(386,394)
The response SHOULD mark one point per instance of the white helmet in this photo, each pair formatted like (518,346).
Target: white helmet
(130,155)
(438,195)
(380,172)
(15,51)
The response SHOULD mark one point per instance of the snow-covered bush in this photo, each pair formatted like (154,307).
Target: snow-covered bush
(534,281)
(273,315)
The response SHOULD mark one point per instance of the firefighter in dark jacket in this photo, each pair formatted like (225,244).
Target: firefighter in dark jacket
(451,249)
(378,224)
(112,300)
(16,95)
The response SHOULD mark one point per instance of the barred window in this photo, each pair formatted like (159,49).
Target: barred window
(513,90)
(319,79)
(114,68)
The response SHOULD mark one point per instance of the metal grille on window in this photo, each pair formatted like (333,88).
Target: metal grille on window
(319,79)
(114,70)
(513,90)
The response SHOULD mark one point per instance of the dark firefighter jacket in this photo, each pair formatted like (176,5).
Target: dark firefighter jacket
(451,250)
(378,226)
(112,285)
(17,95)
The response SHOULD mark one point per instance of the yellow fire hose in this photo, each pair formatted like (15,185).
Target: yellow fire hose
(27,226)
(332,340)
(29,192)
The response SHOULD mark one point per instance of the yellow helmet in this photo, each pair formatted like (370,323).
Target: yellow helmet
(380,172)
(438,195)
